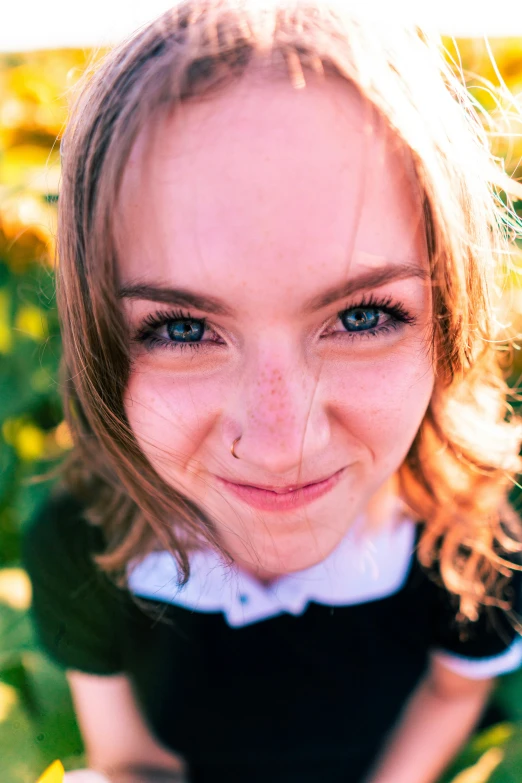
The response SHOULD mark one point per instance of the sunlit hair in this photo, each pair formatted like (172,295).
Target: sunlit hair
(463,461)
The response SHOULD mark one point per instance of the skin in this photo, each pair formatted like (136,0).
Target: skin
(264,197)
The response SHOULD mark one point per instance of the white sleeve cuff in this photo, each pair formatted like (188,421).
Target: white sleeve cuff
(482,668)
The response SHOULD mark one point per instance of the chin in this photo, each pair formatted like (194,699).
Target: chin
(271,557)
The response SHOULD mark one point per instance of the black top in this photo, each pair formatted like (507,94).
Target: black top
(290,699)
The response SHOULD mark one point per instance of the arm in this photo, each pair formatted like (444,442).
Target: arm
(141,775)
(118,743)
(137,775)
(436,722)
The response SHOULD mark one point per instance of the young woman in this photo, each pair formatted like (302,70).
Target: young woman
(281,549)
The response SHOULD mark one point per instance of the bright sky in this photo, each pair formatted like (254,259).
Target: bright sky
(39,24)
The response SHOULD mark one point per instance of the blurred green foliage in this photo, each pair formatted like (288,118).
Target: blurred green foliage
(36,718)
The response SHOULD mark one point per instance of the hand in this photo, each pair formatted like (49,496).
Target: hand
(85,776)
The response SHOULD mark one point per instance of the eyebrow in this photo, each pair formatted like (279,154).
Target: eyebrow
(373,278)
(173,296)
(364,281)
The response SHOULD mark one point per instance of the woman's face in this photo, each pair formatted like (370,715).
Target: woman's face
(274,274)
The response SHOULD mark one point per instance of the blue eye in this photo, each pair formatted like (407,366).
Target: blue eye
(185,330)
(360,319)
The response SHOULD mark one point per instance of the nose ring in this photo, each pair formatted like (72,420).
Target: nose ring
(233,447)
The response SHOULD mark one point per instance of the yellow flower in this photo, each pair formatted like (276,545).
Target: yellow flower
(483,769)
(8,699)
(15,588)
(27,438)
(31,321)
(30,442)
(53,774)
(6,337)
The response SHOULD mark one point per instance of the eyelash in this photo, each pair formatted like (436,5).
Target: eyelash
(386,305)
(147,332)
(147,336)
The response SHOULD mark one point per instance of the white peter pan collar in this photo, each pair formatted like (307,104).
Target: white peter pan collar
(360,569)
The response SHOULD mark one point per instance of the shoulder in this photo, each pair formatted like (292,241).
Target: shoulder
(490,644)
(59,544)
(75,606)
(60,523)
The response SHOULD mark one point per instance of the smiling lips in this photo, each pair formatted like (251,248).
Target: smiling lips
(281,499)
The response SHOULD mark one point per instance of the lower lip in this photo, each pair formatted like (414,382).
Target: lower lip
(266,500)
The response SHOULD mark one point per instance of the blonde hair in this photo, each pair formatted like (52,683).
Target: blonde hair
(462,463)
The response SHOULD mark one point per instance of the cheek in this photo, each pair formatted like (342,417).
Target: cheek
(170,417)
(382,403)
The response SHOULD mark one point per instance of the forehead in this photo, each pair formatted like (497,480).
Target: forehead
(266,185)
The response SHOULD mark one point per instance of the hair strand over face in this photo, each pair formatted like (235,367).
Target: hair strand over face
(462,463)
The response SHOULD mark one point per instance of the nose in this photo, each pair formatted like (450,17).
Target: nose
(280,414)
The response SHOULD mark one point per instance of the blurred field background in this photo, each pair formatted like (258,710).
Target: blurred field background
(36,719)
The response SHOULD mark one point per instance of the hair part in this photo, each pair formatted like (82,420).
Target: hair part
(462,463)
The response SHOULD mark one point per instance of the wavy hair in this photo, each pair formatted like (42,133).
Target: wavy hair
(459,470)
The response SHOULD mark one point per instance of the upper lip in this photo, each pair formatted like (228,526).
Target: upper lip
(280,490)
